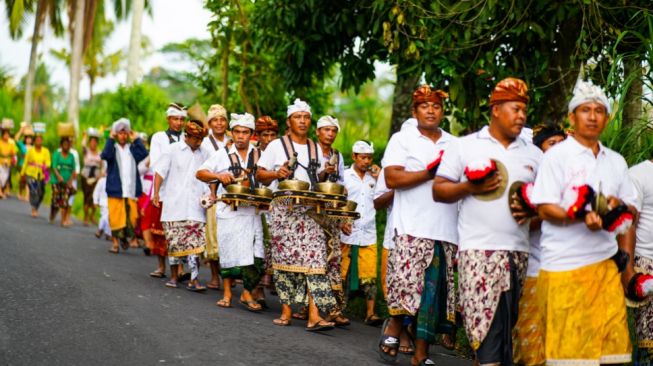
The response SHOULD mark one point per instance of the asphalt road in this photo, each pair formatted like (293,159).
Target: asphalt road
(64,300)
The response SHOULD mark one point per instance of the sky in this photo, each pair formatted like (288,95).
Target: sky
(169,23)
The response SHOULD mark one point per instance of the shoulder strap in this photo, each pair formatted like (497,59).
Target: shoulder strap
(170,139)
(288,147)
(214,143)
(312,151)
(254,155)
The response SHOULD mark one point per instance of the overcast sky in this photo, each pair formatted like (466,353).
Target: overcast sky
(169,22)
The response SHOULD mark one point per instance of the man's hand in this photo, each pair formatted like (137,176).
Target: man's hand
(155,200)
(133,135)
(329,169)
(375,170)
(346,228)
(490,184)
(519,213)
(283,172)
(225,178)
(112,134)
(593,221)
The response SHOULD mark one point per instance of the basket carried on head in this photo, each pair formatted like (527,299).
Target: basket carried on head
(39,127)
(65,129)
(7,124)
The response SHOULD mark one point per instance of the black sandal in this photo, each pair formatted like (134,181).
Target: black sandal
(390,342)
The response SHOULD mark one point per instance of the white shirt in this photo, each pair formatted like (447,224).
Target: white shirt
(489,225)
(177,166)
(341,164)
(534,255)
(207,144)
(361,191)
(415,212)
(144,169)
(569,164)
(100,193)
(158,145)
(642,178)
(127,171)
(274,157)
(389,233)
(219,162)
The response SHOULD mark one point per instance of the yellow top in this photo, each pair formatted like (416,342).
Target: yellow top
(34,162)
(7,151)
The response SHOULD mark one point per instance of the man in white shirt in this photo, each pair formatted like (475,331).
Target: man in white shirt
(240,232)
(642,236)
(216,140)
(579,286)
(298,241)
(424,227)
(123,185)
(151,221)
(359,250)
(493,250)
(182,216)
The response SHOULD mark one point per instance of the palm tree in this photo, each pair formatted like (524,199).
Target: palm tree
(135,41)
(46,10)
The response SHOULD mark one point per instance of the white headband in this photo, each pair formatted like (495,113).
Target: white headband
(244,120)
(362,147)
(586,92)
(298,106)
(327,121)
(175,112)
(121,124)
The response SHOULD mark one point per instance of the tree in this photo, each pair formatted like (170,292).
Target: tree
(77,51)
(46,10)
(135,42)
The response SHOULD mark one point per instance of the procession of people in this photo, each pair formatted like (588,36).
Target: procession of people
(533,241)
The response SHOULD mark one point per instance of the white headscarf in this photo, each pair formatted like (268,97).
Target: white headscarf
(244,120)
(298,106)
(176,111)
(362,147)
(586,92)
(326,121)
(216,110)
(121,124)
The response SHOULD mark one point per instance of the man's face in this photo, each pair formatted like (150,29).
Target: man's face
(428,115)
(194,142)
(362,161)
(299,123)
(265,137)
(510,118)
(241,136)
(589,120)
(551,141)
(218,125)
(327,135)
(176,123)
(122,136)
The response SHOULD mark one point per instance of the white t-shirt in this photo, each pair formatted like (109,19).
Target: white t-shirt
(100,197)
(534,254)
(642,178)
(489,225)
(177,166)
(566,165)
(274,157)
(219,162)
(158,144)
(389,233)
(127,171)
(415,212)
(207,144)
(361,191)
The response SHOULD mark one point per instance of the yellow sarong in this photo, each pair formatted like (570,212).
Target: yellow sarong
(118,213)
(585,316)
(211,250)
(528,334)
(366,262)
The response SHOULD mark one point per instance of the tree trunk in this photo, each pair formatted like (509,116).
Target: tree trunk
(76,64)
(135,42)
(29,82)
(633,98)
(226,47)
(403,97)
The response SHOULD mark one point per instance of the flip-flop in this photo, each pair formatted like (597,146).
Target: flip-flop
(157,274)
(195,288)
(221,303)
(373,320)
(299,316)
(172,284)
(248,306)
(183,277)
(114,251)
(124,244)
(388,341)
(281,322)
(320,326)
(213,287)
(426,362)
